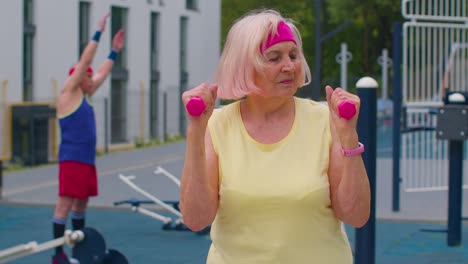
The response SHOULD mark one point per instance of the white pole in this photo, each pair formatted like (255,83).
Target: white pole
(385,62)
(343,58)
(344,68)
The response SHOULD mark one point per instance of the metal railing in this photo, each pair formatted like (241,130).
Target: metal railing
(435,10)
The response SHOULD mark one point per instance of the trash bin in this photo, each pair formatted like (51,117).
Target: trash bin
(30,133)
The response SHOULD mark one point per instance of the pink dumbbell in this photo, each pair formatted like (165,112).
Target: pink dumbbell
(195,106)
(347,109)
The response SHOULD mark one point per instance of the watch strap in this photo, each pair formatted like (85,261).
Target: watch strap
(354,151)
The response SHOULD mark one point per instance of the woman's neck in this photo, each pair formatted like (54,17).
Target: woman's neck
(264,109)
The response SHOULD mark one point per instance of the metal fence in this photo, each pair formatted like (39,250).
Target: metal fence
(424,159)
(435,58)
(439,10)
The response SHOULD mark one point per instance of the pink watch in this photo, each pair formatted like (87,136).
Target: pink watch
(354,151)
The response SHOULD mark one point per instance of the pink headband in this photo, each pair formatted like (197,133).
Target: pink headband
(284,33)
(72,69)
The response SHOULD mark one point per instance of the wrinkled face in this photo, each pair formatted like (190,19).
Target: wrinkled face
(87,82)
(283,73)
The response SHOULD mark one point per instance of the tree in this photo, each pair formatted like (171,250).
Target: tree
(370,31)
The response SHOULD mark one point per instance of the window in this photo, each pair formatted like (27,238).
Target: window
(183,82)
(183,45)
(28,48)
(119,78)
(119,20)
(191,4)
(83,24)
(154,74)
(154,32)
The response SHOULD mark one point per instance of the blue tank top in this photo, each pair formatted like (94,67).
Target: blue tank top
(78,130)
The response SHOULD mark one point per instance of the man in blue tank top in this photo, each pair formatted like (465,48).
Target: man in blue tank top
(77,152)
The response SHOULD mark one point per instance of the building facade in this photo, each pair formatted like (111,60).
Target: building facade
(170,46)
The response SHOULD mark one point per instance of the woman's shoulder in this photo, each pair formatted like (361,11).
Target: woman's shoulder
(224,112)
(311,105)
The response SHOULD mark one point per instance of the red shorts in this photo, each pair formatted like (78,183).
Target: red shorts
(77,180)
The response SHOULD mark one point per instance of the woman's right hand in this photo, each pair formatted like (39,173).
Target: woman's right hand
(208,94)
(102,22)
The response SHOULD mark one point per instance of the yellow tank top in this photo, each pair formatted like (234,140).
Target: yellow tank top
(274,198)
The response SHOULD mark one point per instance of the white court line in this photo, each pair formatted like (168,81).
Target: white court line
(52,183)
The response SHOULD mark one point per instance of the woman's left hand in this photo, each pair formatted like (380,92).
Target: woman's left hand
(334,98)
(103,21)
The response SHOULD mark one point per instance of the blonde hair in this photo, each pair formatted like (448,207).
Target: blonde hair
(241,57)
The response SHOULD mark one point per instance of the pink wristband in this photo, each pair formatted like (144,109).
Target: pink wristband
(354,151)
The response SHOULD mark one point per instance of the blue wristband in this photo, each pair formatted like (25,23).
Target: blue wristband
(97,36)
(112,55)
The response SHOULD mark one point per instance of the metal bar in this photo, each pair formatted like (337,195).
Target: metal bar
(463,57)
(397,97)
(16,252)
(432,189)
(315,95)
(410,96)
(455,193)
(450,12)
(433,60)
(424,65)
(367,130)
(19,251)
(457,63)
(128,181)
(152,214)
(160,170)
(405,62)
(417,62)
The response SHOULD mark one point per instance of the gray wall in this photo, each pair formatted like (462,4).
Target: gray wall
(56,48)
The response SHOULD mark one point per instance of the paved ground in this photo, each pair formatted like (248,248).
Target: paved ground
(29,196)
(141,239)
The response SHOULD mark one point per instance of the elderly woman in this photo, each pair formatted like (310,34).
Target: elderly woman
(275,175)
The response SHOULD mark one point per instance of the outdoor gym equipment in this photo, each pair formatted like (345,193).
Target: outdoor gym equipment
(452,125)
(171,206)
(88,247)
